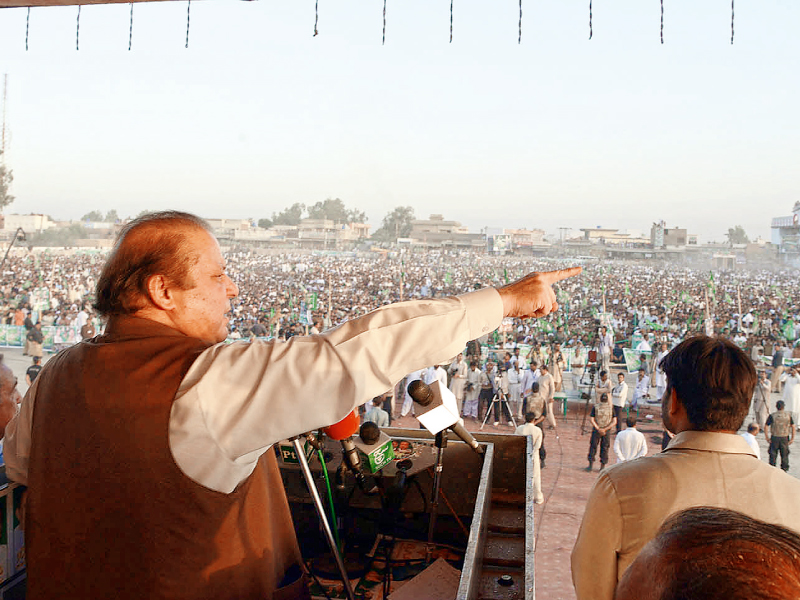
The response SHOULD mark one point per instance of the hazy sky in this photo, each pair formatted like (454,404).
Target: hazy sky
(560,130)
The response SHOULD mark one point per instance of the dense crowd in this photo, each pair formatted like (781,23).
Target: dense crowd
(285,294)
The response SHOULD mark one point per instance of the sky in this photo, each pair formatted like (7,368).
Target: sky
(556,131)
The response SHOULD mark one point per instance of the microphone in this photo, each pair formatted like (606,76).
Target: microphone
(343,431)
(438,411)
(376,446)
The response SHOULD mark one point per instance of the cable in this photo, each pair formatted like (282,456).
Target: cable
(130,30)
(27,27)
(421,494)
(330,501)
(316,580)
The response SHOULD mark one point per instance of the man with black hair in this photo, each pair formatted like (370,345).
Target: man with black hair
(537,406)
(33,371)
(630,443)
(530,428)
(779,432)
(710,384)
(603,420)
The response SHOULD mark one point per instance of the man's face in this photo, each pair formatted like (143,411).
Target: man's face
(620,377)
(200,311)
(9,397)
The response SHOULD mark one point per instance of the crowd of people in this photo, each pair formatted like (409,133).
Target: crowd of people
(285,294)
(173,409)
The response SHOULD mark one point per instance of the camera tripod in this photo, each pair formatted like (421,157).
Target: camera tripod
(499,398)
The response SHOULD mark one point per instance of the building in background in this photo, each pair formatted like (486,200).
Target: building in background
(786,236)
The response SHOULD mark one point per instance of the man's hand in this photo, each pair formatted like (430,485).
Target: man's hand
(533,296)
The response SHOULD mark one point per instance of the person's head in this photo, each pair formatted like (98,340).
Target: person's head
(780,405)
(753,429)
(620,377)
(36,360)
(460,357)
(603,397)
(630,421)
(763,375)
(712,380)
(715,554)
(9,396)
(377,401)
(544,369)
(603,375)
(642,373)
(530,417)
(168,267)
(535,387)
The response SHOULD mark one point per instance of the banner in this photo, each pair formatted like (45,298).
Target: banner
(13,336)
(633,359)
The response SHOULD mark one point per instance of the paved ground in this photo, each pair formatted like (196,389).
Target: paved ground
(565,483)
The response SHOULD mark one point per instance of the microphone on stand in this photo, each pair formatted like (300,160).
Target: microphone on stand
(438,411)
(343,431)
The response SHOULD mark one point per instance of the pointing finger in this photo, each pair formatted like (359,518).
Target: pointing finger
(553,276)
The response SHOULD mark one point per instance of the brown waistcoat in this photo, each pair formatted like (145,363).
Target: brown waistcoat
(110,514)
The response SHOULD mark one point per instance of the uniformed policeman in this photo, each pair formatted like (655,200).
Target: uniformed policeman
(779,432)
(603,420)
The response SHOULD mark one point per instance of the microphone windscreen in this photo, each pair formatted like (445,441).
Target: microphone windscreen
(421,392)
(344,428)
(369,433)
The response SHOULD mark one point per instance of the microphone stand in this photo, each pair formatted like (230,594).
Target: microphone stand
(441,444)
(312,488)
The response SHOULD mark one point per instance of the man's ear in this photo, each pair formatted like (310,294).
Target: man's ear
(672,403)
(160,289)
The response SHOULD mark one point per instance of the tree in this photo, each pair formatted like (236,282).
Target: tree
(332,208)
(6,177)
(290,215)
(395,224)
(265,223)
(356,216)
(737,235)
(95,216)
(112,216)
(58,236)
(335,210)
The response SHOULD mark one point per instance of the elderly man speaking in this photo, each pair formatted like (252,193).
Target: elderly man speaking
(145,449)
